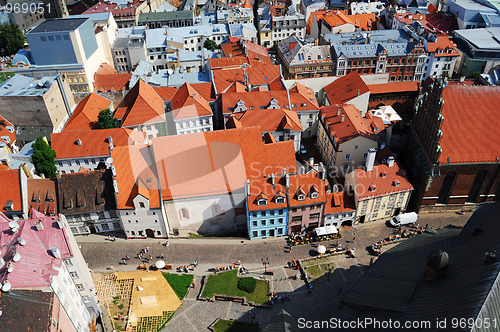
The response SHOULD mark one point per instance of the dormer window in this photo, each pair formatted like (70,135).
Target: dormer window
(383,174)
(262,201)
(280,200)
(314,195)
(301,197)
(273,104)
(372,187)
(396,183)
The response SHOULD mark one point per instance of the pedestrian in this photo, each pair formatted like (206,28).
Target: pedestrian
(261,276)
(239,262)
(167,244)
(161,255)
(371,261)
(127,257)
(196,263)
(109,238)
(426,226)
(114,238)
(353,239)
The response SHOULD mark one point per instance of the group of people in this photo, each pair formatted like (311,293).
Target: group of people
(275,298)
(376,248)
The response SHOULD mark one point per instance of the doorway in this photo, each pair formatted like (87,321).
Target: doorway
(271,232)
(362,219)
(397,211)
(150,233)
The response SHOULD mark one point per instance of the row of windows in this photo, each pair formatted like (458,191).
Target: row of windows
(265,233)
(52,38)
(311,207)
(271,213)
(141,233)
(263,222)
(78,162)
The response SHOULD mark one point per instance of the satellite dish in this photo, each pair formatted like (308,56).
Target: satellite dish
(10,267)
(170,71)
(21,241)
(6,286)
(17,257)
(365,35)
(13,224)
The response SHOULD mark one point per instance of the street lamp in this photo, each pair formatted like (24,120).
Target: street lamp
(265,262)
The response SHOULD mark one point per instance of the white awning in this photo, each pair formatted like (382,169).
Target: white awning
(320,231)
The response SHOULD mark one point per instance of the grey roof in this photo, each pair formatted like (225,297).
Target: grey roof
(166,16)
(177,79)
(491,20)
(30,133)
(473,5)
(206,30)
(356,45)
(156,38)
(487,38)
(303,53)
(94,17)
(59,25)
(394,286)
(236,30)
(20,85)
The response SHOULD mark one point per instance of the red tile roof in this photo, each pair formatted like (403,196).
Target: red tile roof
(306,183)
(129,10)
(345,88)
(234,61)
(442,43)
(254,98)
(337,202)
(268,120)
(7,132)
(166,92)
(363,21)
(188,103)
(383,185)
(470,129)
(112,82)
(37,265)
(217,162)
(353,125)
(263,188)
(257,75)
(442,21)
(11,190)
(143,105)
(303,97)
(106,69)
(255,54)
(393,87)
(94,143)
(86,113)
(206,90)
(42,196)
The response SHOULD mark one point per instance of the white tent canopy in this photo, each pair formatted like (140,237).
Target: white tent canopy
(320,231)
(160,264)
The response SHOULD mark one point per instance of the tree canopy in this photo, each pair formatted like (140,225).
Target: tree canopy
(106,120)
(11,38)
(43,158)
(209,44)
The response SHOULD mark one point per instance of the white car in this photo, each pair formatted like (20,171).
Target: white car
(404,219)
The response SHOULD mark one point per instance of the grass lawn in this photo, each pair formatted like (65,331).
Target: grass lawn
(5,75)
(226,283)
(230,326)
(316,271)
(180,283)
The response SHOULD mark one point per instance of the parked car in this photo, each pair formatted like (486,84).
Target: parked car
(404,219)
(303,149)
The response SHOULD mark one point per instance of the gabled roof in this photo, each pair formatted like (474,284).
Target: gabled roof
(111,82)
(142,105)
(11,189)
(384,185)
(269,120)
(36,265)
(353,125)
(89,191)
(255,54)
(362,21)
(106,69)
(257,75)
(254,98)
(7,132)
(166,92)
(86,113)
(393,87)
(337,202)
(303,183)
(345,88)
(303,97)
(188,103)
(94,143)
(42,196)
(442,43)
(206,90)
(263,188)
(470,136)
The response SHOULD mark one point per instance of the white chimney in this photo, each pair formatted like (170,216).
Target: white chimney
(287,180)
(248,187)
(390,161)
(39,225)
(79,142)
(339,110)
(311,161)
(370,159)
(55,252)
(342,118)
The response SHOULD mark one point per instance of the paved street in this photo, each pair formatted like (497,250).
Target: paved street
(210,252)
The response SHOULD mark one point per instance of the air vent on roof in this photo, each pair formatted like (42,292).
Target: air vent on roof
(39,225)
(55,252)
(6,285)
(21,241)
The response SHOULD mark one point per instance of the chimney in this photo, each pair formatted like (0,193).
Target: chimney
(55,252)
(39,225)
(272,179)
(390,161)
(302,170)
(342,118)
(370,159)
(79,142)
(339,110)
(311,161)
(284,170)
(321,171)
(194,96)
(287,181)
(358,93)
(110,141)
(248,187)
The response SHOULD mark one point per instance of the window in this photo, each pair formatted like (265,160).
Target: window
(254,214)
(271,212)
(301,197)
(280,212)
(355,147)
(346,167)
(79,287)
(297,219)
(271,221)
(314,216)
(280,231)
(280,220)
(73,275)
(280,200)
(263,222)
(68,262)
(141,204)
(184,213)
(365,155)
(263,233)
(254,223)
(255,234)
(314,195)
(263,213)
(347,156)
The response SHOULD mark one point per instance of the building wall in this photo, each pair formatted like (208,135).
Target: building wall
(361,102)
(59,320)
(337,219)
(195,42)
(208,215)
(136,221)
(309,122)
(261,224)
(41,46)
(28,111)
(194,125)
(357,148)
(305,213)
(73,165)
(56,107)
(296,138)
(439,65)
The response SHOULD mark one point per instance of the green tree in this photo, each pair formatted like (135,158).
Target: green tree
(209,44)
(43,158)
(11,38)
(106,120)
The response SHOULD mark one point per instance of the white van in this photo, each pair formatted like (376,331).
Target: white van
(404,219)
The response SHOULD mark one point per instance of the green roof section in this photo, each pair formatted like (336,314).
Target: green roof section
(165,16)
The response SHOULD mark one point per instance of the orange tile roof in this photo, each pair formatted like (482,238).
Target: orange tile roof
(337,202)
(301,95)
(345,88)
(11,134)
(268,137)
(353,125)
(470,130)
(206,90)
(188,103)
(11,189)
(362,21)
(263,188)
(431,9)
(144,105)
(94,142)
(105,69)
(305,184)
(254,98)
(318,16)
(234,61)
(112,82)
(384,185)
(134,174)
(393,87)
(268,120)
(166,92)
(259,75)
(217,162)
(86,113)
(442,43)
(42,196)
